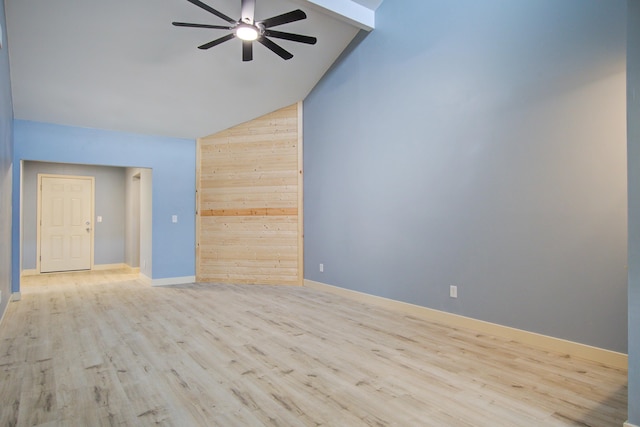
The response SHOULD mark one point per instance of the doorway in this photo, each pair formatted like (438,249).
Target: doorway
(65,223)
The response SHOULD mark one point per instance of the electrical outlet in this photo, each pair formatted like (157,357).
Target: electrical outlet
(321,268)
(453,291)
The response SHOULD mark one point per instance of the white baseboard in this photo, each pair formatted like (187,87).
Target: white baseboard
(173,281)
(15,296)
(558,345)
(29,272)
(628,424)
(4,312)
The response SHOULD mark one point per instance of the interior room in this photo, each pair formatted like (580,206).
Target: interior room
(360,212)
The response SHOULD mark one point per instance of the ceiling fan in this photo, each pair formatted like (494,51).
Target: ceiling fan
(248,30)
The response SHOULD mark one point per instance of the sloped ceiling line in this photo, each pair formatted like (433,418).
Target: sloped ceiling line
(355,13)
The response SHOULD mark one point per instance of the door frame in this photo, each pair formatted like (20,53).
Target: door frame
(39,214)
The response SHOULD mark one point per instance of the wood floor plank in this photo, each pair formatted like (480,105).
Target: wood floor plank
(102,348)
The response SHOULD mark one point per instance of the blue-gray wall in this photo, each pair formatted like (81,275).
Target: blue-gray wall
(172,161)
(483,145)
(110,198)
(633,126)
(6,159)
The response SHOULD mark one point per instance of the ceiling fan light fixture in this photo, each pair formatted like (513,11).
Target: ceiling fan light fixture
(247,32)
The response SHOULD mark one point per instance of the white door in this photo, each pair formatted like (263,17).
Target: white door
(66,228)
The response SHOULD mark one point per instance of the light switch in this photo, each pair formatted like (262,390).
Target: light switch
(99,219)
(174,218)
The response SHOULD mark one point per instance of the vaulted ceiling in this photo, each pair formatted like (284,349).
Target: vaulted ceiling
(121,65)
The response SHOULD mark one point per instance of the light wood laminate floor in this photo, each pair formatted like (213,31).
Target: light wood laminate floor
(104,349)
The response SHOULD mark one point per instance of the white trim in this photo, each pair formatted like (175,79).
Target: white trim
(628,424)
(5,311)
(16,296)
(557,345)
(347,11)
(29,272)
(20,223)
(173,281)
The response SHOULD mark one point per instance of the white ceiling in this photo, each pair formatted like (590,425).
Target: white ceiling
(121,65)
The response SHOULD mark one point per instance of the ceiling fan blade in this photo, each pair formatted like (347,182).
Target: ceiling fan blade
(275,48)
(285,18)
(217,41)
(188,24)
(290,36)
(248,11)
(212,10)
(247,50)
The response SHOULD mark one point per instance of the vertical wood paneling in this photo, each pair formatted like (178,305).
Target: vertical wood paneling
(249,221)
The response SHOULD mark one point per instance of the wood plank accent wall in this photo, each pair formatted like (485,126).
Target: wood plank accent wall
(249,213)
